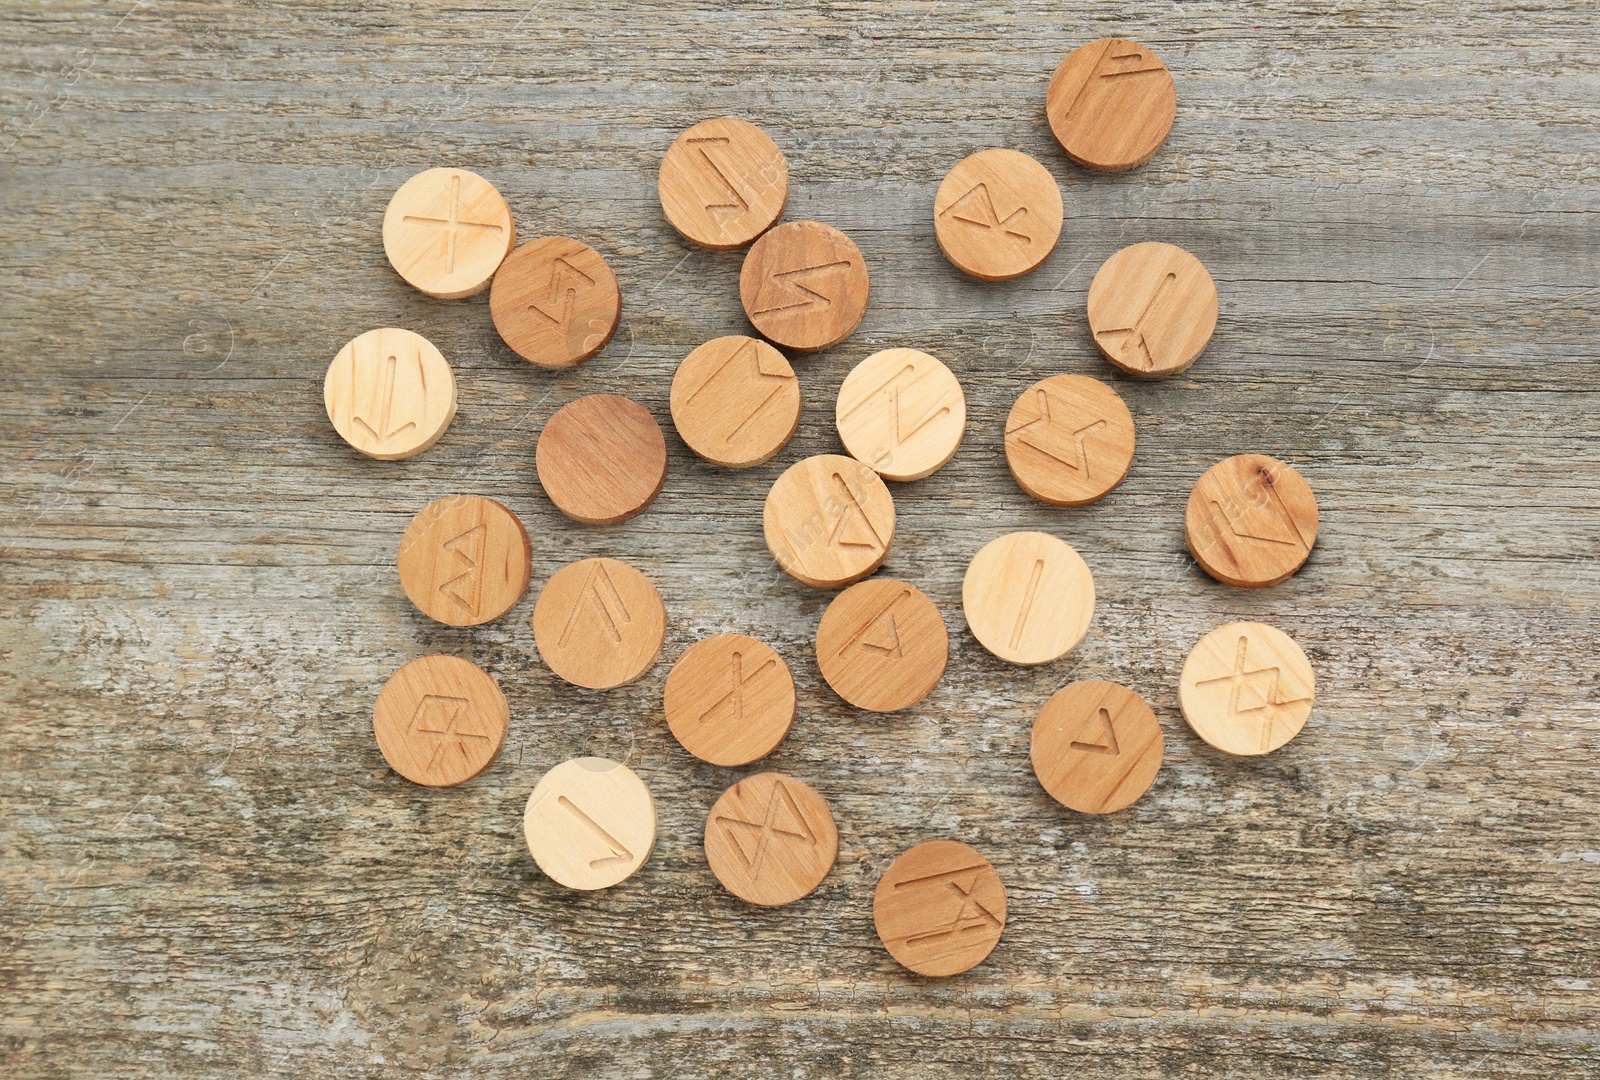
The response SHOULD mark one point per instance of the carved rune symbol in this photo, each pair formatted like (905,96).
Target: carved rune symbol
(466,587)
(561,292)
(442,720)
(879,635)
(382,432)
(1253,691)
(452,224)
(616,851)
(760,361)
(1133,340)
(976,207)
(1268,526)
(1027,602)
(726,209)
(853,529)
(1112,66)
(599,591)
(892,387)
(793,290)
(971,915)
(1109,745)
(731,704)
(1054,439)
(780,805)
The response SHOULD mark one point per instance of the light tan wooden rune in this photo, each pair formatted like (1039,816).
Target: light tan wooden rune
(882,645)
(599,623)
(1028,597)
(602,459)
(1152,309)
(590,823)
(735,401)
(555,301)
(440,720)
(723,183)
(1111,104)
(1246,688)
(828,521)
(465,560)
(446,231)
(770,839)
(1069,440)
(940,908)
(997,214)
(390,394)
(902,412)
(1251,521)
(729,699)
(804,285)
(1096,747)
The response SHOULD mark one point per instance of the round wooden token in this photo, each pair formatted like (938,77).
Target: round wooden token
(902,412)
(828,521)
(882,645)
(723,183)
(770,839)
(1111,104)
(804,285)
(1251,521)
(1069,440)
(1096,747)
(590,823)
(599,623)
(729,699)
(1246,688)
(440,720)
(997,215)
(390,394)
(602,459)
(465,560)
(446,231)
(1028,597)
(1152,308)
(735,401)
(940,908)
(555,301)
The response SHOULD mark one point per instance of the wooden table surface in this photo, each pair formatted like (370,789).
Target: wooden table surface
(206,868)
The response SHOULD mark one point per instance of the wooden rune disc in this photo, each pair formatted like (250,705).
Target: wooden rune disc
(902,412)
(1152,309)
(465,560)
(1251,521)
(940,908)
(390,394)
(590,823)
(1096,747)
(555,301)
(997,215)
(729,699)
(599,623)
(882,645)
(1246,688)
(1069,440)
(440,720)
(446,231)
(602,459)
(804,285)
(723,183)
(828,521)
(770,839)
(736,401)
(1111,104)
(1028,597)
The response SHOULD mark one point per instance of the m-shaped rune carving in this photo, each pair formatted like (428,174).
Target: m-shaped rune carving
(768,829)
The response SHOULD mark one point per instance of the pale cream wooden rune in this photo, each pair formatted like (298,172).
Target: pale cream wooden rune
(590,823)
(390,394)
(1028,597)
(1246,688)
(902,412)
(446,231)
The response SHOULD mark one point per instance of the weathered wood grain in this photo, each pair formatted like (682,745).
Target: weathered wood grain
(205,867)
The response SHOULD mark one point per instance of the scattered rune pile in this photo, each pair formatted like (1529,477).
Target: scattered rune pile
(829,520)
